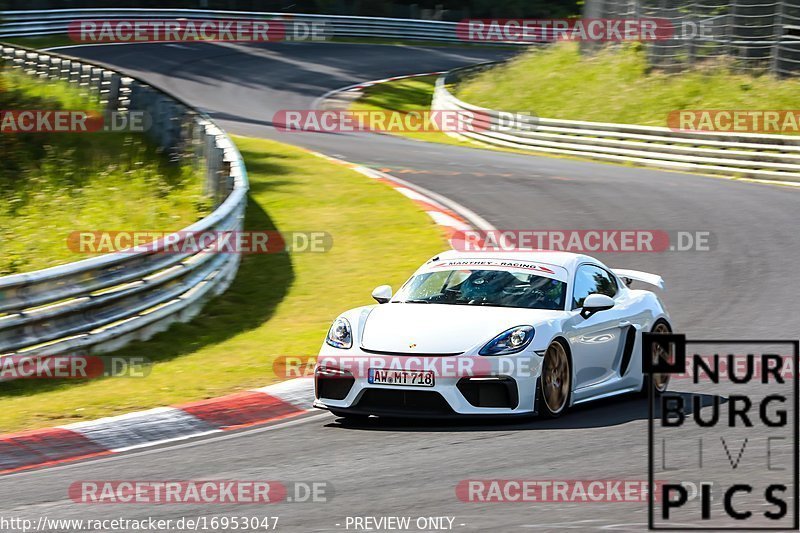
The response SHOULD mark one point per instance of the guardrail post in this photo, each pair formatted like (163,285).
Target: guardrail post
(106,95)
(776,48)
(113,89)
(173,131)
(53,71)
(187,123)
(42,66)
(65,70)
(213,167)
(160,133)
(226,175)
(31,63)
(19,59)
(74,72)
(85,80)
(200,148)
(125,91)
(96,82)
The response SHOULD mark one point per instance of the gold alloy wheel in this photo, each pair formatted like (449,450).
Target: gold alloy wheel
(555,378)
(660,381)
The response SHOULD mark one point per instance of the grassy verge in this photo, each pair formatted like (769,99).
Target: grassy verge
(412,94)
(613,86)
(279,304)
(54,184)
(617,86)
(41,41)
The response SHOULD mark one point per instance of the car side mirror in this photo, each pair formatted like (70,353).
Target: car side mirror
(382,294)
(594,303)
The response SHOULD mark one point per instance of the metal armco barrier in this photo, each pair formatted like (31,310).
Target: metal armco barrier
(748,155)
(56,21)
(100,304)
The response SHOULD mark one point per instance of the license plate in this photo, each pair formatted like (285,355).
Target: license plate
(414,378)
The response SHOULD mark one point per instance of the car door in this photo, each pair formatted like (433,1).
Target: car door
(596,341)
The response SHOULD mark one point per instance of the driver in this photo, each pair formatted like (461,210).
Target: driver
(486,285)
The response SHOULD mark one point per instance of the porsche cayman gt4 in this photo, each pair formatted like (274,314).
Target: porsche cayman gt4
(530,332)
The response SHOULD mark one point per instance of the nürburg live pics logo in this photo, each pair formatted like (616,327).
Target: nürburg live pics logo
(723,445)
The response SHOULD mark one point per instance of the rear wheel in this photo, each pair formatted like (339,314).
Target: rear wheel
(660,381)
(555,383)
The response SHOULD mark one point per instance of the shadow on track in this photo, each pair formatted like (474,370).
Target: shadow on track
(601,413)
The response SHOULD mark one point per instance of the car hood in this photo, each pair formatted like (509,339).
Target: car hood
(442,329)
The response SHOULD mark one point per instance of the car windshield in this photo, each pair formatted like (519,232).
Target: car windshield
(500,288)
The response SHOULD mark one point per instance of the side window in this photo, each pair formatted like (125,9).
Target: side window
(590,279)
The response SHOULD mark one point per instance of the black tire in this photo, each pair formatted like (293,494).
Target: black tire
(660,326)
(555,382)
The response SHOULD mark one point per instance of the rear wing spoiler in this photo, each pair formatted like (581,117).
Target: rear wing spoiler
(635,275)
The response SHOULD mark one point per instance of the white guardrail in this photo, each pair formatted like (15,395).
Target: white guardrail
(99,304)
(757,156)
(56,21)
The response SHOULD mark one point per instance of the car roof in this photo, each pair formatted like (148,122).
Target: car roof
(566,260)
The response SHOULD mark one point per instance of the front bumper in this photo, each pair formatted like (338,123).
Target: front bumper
(500,389)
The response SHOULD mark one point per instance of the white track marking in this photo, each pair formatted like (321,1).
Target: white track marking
(110,458)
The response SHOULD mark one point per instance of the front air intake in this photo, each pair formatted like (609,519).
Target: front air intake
(500,391)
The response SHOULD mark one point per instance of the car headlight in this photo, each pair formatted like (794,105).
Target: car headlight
(340,335)
(511,341)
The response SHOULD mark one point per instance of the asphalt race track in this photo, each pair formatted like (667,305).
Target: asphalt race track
(743,288)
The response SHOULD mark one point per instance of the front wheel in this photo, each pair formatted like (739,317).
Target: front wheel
(660,381)
(555,383)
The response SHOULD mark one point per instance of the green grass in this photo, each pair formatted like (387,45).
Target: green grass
(42,41)
(279,304)
(616,85)
(412,94)
(613,86)
(22,89)
(55,184)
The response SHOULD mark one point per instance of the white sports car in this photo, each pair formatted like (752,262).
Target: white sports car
(530,332)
